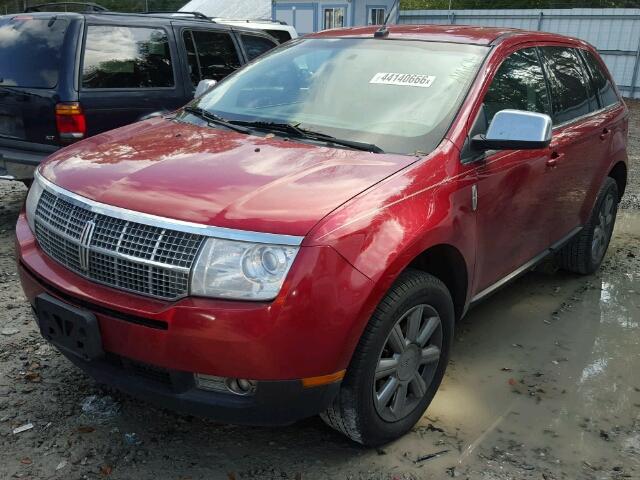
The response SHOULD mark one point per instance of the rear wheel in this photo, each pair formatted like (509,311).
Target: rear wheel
(585,252)
(398,364)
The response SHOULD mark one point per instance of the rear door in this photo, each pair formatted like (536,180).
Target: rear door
(210,54)
(128,71)
(610,123)
(577,149)
(37,55)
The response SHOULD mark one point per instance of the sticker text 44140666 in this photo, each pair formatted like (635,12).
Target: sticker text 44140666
(403,79)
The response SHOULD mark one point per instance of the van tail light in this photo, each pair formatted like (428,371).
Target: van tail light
(70,121)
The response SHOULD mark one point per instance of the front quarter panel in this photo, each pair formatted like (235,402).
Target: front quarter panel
(384,229)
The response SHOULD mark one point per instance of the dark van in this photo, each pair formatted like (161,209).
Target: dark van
(67,76)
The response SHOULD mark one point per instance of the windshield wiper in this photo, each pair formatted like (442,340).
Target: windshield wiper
(309,134)
(215,119)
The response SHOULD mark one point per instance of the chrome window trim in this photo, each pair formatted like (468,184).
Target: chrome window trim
(567,123)
(167,223)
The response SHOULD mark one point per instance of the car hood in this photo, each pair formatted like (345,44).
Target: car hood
(217,177)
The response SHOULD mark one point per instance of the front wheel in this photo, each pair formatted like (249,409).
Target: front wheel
(398,364)
(585,252)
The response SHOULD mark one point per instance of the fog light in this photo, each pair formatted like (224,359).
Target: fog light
(240,386)
(237,386)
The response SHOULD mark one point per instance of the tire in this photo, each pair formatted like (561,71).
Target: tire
(585,252)
(417,303)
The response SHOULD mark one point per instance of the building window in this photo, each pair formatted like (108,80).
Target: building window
(334,17)
(376,16)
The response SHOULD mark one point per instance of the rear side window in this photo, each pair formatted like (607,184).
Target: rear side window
(518,84)
(255,46)
(211,55)
(31,51)
(571,95)
(126,57)
(280,35)
(601,81)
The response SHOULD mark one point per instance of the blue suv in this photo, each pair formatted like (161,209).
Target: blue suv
(67,76)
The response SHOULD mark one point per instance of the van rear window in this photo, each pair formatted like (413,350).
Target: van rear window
(31,50)
(126,57)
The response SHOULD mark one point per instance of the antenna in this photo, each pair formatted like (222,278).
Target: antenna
(383,31)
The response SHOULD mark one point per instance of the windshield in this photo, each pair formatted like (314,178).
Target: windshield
(30,51)
(398,95)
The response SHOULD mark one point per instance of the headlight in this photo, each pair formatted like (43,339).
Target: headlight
(241,270)
(32,202)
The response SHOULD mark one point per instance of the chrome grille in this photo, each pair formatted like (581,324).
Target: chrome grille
(127,255)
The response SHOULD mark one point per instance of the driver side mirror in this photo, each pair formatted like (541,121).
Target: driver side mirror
(515,130)
(204,86)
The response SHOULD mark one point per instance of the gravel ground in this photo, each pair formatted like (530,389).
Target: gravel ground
(543,384)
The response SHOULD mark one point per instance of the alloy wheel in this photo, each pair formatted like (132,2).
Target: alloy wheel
(407,363)
(602,230)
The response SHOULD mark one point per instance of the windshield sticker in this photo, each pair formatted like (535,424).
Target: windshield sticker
(403,79)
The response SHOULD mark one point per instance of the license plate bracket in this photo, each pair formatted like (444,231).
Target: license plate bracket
(69,328)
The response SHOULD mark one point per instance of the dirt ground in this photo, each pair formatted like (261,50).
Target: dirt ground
(543,384)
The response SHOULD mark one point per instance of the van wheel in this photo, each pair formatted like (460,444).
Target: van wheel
(398,364)
(585,252)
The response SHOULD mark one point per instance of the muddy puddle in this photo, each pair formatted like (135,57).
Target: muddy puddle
(545,377)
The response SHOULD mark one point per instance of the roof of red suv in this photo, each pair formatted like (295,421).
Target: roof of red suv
(443,33)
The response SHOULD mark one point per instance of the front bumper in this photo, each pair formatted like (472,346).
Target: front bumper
(274,402)
(310,330)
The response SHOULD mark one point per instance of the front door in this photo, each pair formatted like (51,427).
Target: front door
(512,188)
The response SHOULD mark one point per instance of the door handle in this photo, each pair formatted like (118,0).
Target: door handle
(553,161)
(605,133)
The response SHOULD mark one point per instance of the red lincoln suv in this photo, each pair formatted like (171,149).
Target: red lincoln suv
(303,237)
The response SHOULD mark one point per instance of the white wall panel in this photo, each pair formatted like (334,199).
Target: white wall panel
(613,31)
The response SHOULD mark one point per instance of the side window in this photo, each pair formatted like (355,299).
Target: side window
(213,55)
(570,90)
(126,57)
(280,35)
(255,46)
(601,81)
(518,84)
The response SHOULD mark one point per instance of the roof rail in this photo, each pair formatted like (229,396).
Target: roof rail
(249,20)
(199,15)
(88,7)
